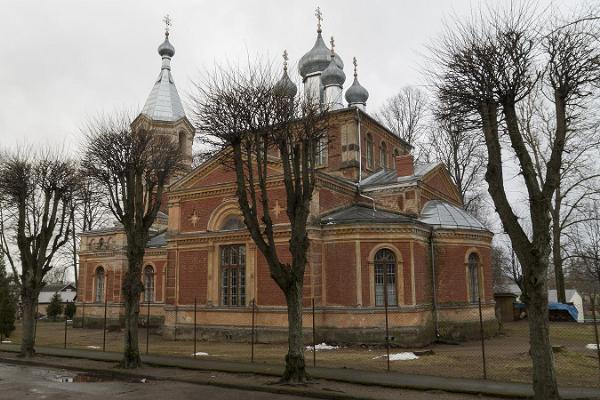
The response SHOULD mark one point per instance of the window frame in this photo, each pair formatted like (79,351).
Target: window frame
(383,158)
(100,284)
(232,285)
(369,151)
(385,268)
(149,290)
(473,277)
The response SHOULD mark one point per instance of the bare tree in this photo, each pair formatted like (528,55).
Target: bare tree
(36,193)
(405,114)
(246,116)
(486,69)
(133,168)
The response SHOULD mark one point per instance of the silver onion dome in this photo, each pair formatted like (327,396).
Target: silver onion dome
(356,93)
(166,48)
(333,75)
(317,59)
(285,85)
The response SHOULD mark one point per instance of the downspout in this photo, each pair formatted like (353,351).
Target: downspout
(434,288)
(360,161)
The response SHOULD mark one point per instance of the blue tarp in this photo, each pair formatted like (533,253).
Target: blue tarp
(556,307)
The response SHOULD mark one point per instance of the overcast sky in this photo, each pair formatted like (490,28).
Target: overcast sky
(66,61)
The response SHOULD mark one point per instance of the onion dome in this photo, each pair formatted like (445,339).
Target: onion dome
(356,94)
(166,49)
(333,75)
(318,58)
(285,85)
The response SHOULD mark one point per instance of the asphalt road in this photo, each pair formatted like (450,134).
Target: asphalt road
(23,382)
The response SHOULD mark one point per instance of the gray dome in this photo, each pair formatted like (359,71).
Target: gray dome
(286,86)
(317,59)
(356,93)
(333,75)
(166,48)
(444,215)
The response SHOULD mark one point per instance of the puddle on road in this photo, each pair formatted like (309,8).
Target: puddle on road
(81,378)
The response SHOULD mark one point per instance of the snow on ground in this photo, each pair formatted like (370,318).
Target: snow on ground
(322,346)
(93,347)
(406,356)
(592,346)
(7,341)
(199,353)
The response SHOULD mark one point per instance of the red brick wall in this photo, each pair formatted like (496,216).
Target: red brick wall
(203,208)
(340,273)
(441,184)
(422,273)
(331,200)
(171,277)
(193,276)
(268,293)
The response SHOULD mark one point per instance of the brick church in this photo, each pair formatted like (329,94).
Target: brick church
(381,226)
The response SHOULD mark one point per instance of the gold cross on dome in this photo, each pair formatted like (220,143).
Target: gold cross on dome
(319,16)
(355,65)
(277,209)
(194,218)
(168,22)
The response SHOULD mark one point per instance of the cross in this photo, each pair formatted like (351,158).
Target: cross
(355,65)
(168,23)
(277,209)
(194,218)
(319,16)
(285,60)
(332,41)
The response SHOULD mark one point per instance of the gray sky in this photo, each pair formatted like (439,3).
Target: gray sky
(66,61)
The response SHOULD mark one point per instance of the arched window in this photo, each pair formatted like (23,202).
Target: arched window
(99,285)
(321,156)
(369,151)
(396,153)
(383,155)
(473,272)
(233,275)
(148,284)
(385,278)
(232,222)
(182,144)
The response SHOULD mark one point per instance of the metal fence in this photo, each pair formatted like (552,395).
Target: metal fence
(495,353)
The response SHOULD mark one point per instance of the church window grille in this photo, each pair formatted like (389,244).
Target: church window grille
(99,285)
(385,278)
(383,155)
(148,284)
(369,152)
(233,275)
(473,273)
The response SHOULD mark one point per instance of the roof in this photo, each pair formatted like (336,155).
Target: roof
(390,176)
(361,213)
(569,294)
(67,293)
(440,214)
(159,240)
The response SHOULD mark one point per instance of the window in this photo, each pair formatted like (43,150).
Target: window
(148,284)
(233,222)
(396,153)
(233,275)
(369,153)
(385,278)
(383,155)
(99,285)
(473,277)
(182,142)
(321,156)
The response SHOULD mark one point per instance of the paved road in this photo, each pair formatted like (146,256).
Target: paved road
(22,382)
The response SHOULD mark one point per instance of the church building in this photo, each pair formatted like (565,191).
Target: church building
(385,233)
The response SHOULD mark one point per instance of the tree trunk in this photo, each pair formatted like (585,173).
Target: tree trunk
(28,341)
(294,361)
(132,289)
(559,275)
(544,379)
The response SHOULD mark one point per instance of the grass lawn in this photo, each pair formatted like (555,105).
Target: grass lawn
(506,354)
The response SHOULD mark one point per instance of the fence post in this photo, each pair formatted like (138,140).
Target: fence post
(195,313)
(175,331)
(148,327)
(596,328)
(481,332)
(104,325)
(253,331)
(314,334)
(65,346)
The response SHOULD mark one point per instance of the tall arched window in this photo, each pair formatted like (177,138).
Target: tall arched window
(369,151)
(99,285)
(148,284)
(233,275)
(473,272)
(385,278)
(321,156)
(383,155)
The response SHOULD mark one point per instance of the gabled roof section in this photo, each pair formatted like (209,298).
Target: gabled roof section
(359,213)
(440,214)
(390,176)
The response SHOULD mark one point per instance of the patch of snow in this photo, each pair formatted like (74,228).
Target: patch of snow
(199,353)
(93,347)
(7,341)
(592,346)
(322,346)
(406,356)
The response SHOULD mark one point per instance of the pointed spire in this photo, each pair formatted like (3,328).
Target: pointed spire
(164,103)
